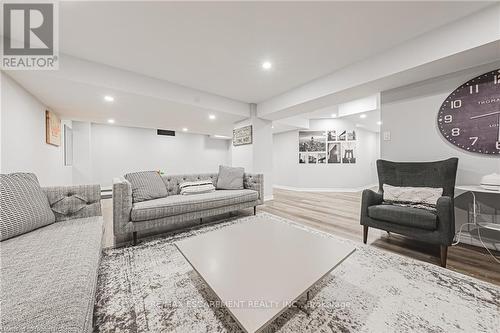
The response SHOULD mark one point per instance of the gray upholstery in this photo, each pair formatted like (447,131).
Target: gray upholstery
(24,206)
(415,224)
(407,216)
(152,218)
(181,204)
(72,202)
(48,276)
(146,185)
(230,178)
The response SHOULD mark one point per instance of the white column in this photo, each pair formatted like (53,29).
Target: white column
(258,156)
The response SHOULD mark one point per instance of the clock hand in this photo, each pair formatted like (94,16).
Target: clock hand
(485,115)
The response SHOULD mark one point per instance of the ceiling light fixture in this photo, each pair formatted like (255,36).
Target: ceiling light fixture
(111,121)
(363,116)
(267,65)
(379,123)
(108,98)
(211,117)
(184,129)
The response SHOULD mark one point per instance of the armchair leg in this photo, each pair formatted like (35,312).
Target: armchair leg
(254,210)
(365,233)
(134,238)
(444,255)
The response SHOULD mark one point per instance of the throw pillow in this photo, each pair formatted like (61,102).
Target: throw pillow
(24,205)
(418,197)
(230,178)
(146,185)
(197,187)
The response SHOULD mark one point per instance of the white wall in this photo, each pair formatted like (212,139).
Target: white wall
(289,173)
(23,147)
(410,115)
(118,150)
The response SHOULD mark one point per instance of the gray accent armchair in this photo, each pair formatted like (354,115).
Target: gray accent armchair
(424,225)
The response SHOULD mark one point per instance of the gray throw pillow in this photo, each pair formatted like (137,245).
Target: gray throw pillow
(146,185)
(24,205)
(230,178)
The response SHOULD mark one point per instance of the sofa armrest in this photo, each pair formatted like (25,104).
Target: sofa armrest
(122,205)
(73,202)
(446,219)
(254,181)
(369,198)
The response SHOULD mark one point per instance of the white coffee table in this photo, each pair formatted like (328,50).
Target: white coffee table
(260,268)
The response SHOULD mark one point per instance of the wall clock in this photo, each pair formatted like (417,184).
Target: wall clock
(470,117)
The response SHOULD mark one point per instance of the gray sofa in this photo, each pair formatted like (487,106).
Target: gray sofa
(48,275)
(178,211)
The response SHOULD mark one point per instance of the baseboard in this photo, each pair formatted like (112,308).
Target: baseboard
(325,189)
(268,198)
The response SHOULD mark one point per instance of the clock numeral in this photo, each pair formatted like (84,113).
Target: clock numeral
(448,119)
(496,78)
(474,89)
(474,140)
(455,131)
(498,145)
(456,104)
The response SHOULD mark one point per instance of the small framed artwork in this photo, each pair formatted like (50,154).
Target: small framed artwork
(349,153)
(52,129)
(242,136)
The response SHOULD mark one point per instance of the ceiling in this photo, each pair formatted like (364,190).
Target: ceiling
(219,47)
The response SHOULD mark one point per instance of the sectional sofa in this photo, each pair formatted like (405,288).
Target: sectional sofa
(49,274)
(176,211)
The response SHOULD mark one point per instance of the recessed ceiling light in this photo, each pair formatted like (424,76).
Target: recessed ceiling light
(334,115)
(379,122)
(362,116)
(267,65)
(211,117)
(111,121)
(108,98)
(184,129)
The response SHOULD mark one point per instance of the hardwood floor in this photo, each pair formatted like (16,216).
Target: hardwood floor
(338,214)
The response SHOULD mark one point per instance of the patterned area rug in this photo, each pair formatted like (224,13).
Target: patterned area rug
(152,288)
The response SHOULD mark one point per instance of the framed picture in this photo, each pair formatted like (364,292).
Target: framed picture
(302,158)
(242,136)
(333,152)
(52,129)
(349,152)
(332,135)
(312,141)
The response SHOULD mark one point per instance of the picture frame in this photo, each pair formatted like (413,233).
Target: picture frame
(243,136)
(52,129)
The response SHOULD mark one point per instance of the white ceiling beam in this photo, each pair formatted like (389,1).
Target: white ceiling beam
(91,73)
(469,42)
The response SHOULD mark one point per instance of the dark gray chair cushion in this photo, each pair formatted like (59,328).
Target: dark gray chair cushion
(24,205)
(146,185)
(406,216)
(230,178)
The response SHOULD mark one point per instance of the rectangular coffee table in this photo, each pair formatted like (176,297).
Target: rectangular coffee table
(260,268)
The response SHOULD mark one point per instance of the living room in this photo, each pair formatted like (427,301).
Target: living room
(250,166)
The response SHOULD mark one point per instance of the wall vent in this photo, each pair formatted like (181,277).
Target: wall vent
(165,132)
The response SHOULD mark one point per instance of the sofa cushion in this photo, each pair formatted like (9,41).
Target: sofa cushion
(405,216)
(180,204)
(197,187)
(146,185)
(25,206)
(48,277)
(230,178)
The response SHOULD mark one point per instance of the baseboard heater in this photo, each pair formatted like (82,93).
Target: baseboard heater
(165,132)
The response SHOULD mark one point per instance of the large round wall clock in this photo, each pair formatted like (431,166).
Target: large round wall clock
(470,117)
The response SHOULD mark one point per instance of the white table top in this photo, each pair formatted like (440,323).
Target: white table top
(258,269)
(475,188)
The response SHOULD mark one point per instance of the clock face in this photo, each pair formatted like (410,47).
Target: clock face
(470,117)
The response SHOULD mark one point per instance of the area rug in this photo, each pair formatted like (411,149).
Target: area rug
(152,288)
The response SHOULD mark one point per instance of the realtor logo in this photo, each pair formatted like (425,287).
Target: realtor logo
(29,36)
